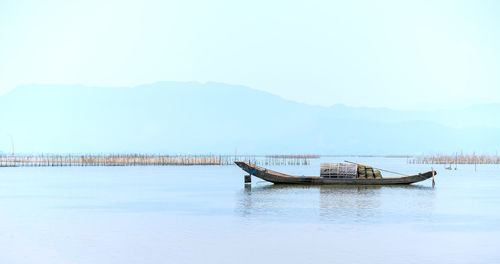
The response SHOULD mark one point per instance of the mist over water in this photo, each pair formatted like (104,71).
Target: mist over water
(205,214)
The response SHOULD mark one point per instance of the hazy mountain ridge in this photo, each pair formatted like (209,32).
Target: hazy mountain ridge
(191,117)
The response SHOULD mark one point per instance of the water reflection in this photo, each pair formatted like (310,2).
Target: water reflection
(359,202)
(343,203)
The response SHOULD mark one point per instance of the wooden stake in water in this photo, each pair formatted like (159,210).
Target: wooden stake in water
(248,179)
(433,183)
(456,160)
(475,162)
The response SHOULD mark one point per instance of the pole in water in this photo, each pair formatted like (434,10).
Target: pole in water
(248,179)
(433,183)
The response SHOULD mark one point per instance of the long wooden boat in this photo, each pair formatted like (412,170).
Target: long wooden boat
(277,177)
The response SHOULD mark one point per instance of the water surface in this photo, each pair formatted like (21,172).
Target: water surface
(205,214)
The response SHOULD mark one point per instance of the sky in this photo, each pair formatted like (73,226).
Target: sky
(395,54)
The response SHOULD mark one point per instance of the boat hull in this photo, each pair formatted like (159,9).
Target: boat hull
(277,177)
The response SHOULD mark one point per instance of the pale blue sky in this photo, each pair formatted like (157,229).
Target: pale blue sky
(398,54)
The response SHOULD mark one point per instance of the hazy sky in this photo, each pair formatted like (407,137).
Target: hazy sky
(398,54)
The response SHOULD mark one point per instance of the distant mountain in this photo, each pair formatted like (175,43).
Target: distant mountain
(170,117)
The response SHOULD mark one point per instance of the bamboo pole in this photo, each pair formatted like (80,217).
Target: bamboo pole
(377,168)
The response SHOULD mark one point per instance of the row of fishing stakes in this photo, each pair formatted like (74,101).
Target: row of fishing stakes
(147,160)
(456,159)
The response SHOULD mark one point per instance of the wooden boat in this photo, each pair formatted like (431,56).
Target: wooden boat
(277,177)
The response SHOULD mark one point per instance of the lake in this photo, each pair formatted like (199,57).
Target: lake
(205,214)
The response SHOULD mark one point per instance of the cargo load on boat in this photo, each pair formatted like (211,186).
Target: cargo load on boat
(366,172)
(338,170)
(348,171)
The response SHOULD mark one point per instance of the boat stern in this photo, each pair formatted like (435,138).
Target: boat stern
(246,167)
(240,164)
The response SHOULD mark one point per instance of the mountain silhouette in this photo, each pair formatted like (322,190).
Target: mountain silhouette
(192,117)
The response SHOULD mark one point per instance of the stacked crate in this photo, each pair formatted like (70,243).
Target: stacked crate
(338,170)
(367,172)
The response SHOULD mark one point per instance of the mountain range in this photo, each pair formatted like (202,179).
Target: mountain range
(192,117)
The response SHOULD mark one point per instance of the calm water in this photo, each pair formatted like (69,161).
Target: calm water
(204,214)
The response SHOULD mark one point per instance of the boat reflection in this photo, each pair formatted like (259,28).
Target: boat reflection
(334,202)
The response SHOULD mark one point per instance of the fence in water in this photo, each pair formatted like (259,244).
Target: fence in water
(148,160)
(456,159)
